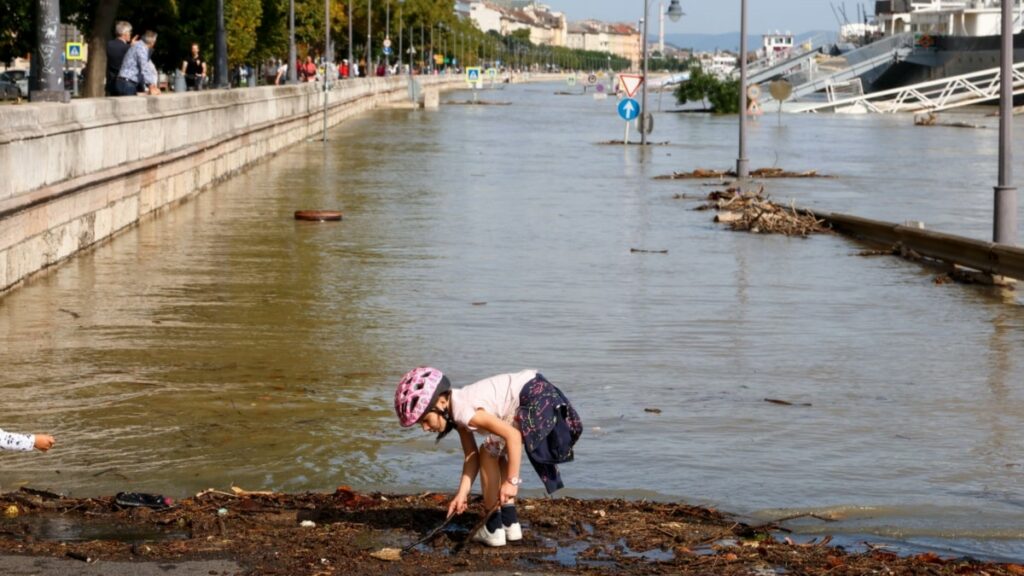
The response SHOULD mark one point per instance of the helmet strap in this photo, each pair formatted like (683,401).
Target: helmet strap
(449,424)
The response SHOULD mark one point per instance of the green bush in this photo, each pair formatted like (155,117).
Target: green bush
(725,98)
(723,95)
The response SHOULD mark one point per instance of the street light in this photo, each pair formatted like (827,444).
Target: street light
(675,11)
(369,39)
(351,62)
(221,48)
(293,74)
(741,161)
(1005,222)
(387,37)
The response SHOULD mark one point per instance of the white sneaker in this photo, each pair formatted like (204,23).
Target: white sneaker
(493,539)
(514,533)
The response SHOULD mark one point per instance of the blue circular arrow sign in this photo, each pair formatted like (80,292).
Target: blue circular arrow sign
(629,109)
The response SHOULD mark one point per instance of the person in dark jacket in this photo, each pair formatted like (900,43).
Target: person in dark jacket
(116,49)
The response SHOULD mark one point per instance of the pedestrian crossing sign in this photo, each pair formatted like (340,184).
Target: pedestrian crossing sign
(474,75)
(73,51)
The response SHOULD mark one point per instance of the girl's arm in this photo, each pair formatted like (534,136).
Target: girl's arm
(470,466)
(484,420)
(19,442)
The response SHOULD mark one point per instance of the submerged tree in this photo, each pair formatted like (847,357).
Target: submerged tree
(723,95)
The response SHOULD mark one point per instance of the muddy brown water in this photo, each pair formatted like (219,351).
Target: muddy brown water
(224,342)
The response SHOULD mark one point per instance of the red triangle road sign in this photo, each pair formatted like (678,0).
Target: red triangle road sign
(630,83)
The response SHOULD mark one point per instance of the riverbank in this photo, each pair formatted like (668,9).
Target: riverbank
(222,532)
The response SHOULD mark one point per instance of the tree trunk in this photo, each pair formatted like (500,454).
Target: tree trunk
(102,31)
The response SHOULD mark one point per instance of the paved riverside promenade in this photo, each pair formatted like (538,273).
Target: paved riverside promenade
(76,174)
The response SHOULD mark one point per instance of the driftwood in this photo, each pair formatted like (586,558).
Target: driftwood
(704,174)
(753,212)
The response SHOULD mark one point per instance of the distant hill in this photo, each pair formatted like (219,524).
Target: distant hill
(731,41)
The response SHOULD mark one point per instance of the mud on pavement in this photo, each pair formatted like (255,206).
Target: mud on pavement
(326,534)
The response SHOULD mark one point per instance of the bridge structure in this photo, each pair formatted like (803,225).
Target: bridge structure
(932,96)
(810,79)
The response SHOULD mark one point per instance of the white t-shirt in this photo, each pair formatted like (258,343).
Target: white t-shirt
(498,395)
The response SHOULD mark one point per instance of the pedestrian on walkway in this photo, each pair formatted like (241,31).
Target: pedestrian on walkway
(137,73)
(116,49)
(194,69)
(308,70)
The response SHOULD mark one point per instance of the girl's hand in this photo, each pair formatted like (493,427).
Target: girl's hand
(508,492)
(44,442)
(458,505)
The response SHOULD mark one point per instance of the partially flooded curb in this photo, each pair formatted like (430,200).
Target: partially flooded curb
(337,533)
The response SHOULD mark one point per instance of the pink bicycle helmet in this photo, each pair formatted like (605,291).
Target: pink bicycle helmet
(418,392)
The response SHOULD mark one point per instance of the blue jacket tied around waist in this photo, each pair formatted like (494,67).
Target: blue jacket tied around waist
(550,428)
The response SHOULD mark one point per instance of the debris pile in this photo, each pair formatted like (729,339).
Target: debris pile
(348,532)
(931,119)
(753,212)
(705,174)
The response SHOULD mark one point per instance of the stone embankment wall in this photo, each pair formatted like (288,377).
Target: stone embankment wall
(76,174)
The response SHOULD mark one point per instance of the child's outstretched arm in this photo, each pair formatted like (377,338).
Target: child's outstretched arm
(25,442)
(470,466)
(484,420)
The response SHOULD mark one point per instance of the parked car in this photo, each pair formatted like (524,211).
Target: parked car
(18,78)
(69,80)
(9,90)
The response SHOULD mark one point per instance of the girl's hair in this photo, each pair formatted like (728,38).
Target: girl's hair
(449,421)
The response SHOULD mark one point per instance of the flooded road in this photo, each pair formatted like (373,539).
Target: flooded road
(224,342)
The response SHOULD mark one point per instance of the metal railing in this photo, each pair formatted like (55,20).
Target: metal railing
(987,257)
(931,96)
(858,62)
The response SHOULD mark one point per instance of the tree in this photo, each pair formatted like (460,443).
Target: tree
(16,29)
(725,97)
(241,19)
(697,88)
(99,34)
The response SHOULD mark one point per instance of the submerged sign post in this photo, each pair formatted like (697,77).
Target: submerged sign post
(630,83)
(475,77)
(629,110)
(73,51)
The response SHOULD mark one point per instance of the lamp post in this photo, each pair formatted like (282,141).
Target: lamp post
(327,59)
(369,39)
(387,36)
(293,74)
(401,36)
(643,98)
(741,161)
(45,81)
(221,48)
(1005,221)
(351,62)
(674,12)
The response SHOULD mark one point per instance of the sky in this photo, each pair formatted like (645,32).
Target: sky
(717,16)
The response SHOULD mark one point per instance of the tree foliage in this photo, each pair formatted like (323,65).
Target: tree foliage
(723,95)
(16,34)
(725,98)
